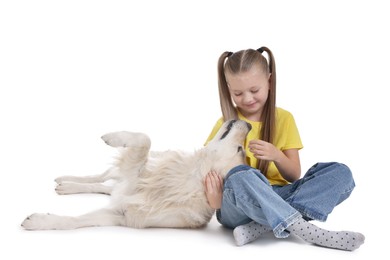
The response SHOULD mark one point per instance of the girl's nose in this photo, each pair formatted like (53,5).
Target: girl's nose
(247,98)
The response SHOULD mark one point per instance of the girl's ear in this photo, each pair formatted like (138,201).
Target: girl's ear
(269,77)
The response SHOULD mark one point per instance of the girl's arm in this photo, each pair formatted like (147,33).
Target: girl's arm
(287,161)
(289,165)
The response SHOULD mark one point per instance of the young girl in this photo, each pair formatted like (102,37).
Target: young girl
(268,193)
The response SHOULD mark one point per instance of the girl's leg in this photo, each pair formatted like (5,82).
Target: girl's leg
(247,233)
(344,240)
(323,187)
(248,196)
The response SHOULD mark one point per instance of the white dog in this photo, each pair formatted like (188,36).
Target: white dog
(154,189)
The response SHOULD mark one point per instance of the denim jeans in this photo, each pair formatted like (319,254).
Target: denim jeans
(248,196)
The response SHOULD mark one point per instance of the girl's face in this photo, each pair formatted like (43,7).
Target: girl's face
(249,91)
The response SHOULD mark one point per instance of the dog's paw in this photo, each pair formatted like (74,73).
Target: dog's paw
(38,221)
(61,179)
(67,178)
(65,188)
(126,139)
(116,139)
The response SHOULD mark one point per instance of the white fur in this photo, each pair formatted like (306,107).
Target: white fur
(153,189)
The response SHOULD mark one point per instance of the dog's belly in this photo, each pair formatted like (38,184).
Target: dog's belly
(165,207)
(172,215)
(167,192)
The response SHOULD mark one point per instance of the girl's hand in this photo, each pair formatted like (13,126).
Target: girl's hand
(286,161)
(213,186)
(264,151)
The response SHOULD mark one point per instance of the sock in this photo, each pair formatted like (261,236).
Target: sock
(344,240)
(247,233)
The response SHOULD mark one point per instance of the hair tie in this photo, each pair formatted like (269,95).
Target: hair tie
(260,49)
(229,54)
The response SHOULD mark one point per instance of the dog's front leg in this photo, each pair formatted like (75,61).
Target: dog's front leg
(65,188)
(102,217)
(87,184)
(110,174)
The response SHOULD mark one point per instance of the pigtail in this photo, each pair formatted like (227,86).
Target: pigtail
(227,106)
(269,112)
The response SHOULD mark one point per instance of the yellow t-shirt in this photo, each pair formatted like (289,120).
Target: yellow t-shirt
(286,137)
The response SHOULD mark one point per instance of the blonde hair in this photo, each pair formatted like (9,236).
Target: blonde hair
(243,61)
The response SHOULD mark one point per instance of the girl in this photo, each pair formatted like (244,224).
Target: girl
(268,193)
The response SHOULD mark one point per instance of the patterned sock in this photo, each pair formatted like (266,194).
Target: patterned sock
(344,240)
(247,233)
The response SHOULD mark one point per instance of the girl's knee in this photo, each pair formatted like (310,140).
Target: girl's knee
(244,175)
(342,175)
(337,173)
(244,178)
(344,171)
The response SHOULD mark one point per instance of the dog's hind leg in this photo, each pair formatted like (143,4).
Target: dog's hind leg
(135,149)
(102,217)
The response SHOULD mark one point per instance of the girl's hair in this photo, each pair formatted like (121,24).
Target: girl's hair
(243,61)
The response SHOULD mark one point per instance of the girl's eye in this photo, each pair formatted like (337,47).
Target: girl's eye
(237,94)
(254,91)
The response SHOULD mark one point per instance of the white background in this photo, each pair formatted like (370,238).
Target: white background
(71,71)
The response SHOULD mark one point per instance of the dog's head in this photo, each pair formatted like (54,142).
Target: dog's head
(226,148)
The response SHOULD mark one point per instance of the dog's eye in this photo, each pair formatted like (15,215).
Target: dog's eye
(239,149)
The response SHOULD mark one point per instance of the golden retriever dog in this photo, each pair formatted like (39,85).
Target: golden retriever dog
(152,189)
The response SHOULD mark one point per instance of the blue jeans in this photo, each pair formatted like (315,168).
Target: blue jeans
(248,196)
